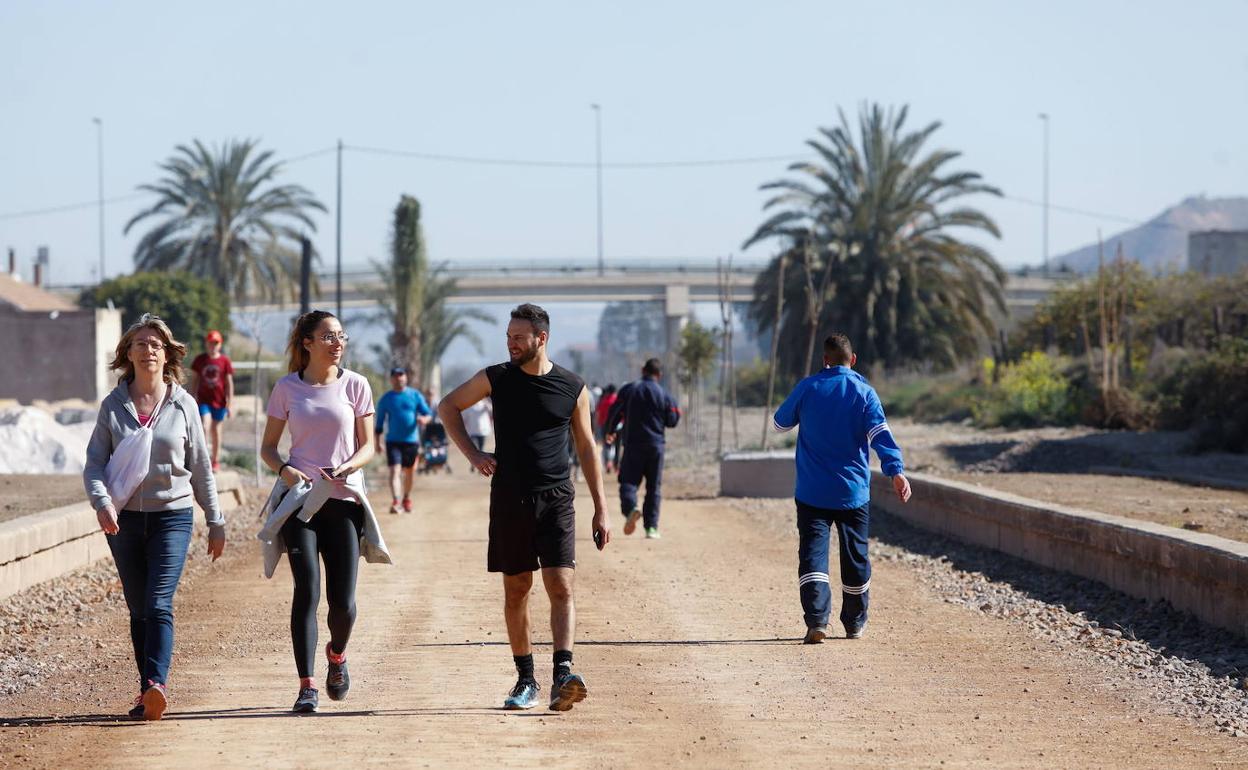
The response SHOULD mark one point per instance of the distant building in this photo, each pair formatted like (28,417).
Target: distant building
(1217,252)
(53,349)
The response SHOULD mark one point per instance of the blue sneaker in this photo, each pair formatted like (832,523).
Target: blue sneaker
(523,696)
(569,689)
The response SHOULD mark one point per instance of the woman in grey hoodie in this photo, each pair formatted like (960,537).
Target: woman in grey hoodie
(149,533)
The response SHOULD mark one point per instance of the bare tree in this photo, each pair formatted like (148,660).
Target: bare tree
(775,342)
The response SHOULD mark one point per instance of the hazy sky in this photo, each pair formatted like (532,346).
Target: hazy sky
(1149,104)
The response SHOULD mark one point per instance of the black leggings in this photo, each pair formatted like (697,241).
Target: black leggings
(333,533)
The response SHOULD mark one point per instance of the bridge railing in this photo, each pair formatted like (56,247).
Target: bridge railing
(555,266)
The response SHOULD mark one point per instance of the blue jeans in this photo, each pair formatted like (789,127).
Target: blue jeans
(814,530)
(150,552)
(642,461)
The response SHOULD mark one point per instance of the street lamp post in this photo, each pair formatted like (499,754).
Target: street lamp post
(1044,248)
(99,149)
(598,166)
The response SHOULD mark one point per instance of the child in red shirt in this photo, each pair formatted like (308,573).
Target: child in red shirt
(213,385)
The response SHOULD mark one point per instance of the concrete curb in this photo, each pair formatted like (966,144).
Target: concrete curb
(1199,573)
(50,543)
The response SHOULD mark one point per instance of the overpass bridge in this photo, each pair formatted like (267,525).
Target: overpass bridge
(674,282)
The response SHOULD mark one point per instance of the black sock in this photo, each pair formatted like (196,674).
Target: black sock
(524,667)
(563,663)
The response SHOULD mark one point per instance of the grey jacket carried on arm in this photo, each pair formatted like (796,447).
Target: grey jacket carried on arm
(181,466)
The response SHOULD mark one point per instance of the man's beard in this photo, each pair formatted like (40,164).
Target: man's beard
(525,356)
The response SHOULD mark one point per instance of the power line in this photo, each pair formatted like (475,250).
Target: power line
(1095,214)
(69,207)
(129,196)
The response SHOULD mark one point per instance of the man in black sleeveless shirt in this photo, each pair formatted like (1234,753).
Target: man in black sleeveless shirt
(532,520)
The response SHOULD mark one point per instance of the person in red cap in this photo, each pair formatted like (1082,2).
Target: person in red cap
(212,382)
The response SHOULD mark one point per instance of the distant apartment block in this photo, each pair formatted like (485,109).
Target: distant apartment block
(1217,252)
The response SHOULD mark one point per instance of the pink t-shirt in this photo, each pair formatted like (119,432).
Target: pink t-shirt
(321,419)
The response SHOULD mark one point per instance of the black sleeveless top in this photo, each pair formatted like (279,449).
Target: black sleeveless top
(532,420)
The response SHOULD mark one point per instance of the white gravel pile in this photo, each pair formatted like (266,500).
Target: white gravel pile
(34,440)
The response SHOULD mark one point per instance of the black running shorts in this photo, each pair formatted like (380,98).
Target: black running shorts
(531,529)
(402,453)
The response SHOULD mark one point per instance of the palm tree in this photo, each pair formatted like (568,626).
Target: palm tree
(868,225)
(414,300)
(222,217)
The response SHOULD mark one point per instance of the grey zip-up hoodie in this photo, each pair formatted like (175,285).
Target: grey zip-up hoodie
(181,465)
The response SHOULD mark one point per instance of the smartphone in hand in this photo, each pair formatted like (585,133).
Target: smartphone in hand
(328,473)
(598,538)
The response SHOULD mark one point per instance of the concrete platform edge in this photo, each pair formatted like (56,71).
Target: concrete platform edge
(1196,572)
(48,544)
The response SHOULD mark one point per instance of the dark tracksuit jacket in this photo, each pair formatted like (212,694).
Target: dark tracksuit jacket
(648,411)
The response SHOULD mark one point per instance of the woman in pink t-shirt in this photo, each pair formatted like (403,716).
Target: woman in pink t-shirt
(329,412)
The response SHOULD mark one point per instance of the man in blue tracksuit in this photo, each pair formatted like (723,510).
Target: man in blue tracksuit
(400,414)
(841,419)
(648,411)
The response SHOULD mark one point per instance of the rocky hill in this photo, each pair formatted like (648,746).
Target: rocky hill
(1161,243)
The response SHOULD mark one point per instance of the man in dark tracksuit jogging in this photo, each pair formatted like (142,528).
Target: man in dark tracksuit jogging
(841,419)
(648,411)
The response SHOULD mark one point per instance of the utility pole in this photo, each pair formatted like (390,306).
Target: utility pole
(99,151)
(338,238)
(1044,116)
(775,344)
(598,166)
(305,274)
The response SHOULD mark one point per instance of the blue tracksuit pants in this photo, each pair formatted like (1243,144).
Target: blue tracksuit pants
(642,461)
(814,527)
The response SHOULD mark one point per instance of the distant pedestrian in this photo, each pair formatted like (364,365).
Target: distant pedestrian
(401,414)
(610,451)
(532,518)
(841,419)
(318,509)
(647,410)
(146,460)
(212,382)
(479,420)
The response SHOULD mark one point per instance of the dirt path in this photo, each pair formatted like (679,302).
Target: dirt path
(689,646)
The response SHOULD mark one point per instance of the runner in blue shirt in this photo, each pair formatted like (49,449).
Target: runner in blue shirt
(406,410)
(841,418)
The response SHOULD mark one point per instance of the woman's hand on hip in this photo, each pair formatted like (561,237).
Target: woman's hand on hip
(293,476)
(107,516)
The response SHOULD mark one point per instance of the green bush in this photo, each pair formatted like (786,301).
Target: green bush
(1034,391)
(752,385)
(938,399)
(188,304)
(1209,392)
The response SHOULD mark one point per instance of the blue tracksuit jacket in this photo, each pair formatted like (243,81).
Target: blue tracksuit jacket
(841,418)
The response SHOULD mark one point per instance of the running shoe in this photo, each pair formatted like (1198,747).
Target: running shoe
(815,635)
(338,681)
(522,696)
(307,701)
(394,505)
(407,505)
(567,690)
(652,533)
(857,631)
(136,708)
(155,701)
(630,524)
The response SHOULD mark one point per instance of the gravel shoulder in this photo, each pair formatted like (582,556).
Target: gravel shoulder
(22,494)
(689,644)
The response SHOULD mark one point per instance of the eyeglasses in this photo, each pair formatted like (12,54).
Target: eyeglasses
(155,345)
(330,338)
